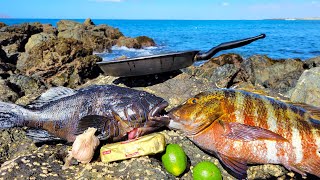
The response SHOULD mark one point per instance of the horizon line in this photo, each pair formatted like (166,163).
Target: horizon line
(130,19)
(306,18)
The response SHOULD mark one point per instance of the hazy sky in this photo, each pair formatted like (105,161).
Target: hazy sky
(159,9)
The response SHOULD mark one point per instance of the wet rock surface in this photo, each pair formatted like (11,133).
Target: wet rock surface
(34,57)
(137,43)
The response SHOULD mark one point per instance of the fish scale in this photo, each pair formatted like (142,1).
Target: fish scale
(246,128)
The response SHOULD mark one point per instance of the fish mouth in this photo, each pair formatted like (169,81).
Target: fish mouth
(155,120)
(173,123)
(155,112)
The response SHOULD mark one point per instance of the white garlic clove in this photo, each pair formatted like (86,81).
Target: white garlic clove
(83,147)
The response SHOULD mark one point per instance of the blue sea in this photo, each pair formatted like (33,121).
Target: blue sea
(285,38)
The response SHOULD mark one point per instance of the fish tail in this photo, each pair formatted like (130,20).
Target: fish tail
(11,115)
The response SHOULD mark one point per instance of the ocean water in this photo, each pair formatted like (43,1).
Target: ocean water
(285,39)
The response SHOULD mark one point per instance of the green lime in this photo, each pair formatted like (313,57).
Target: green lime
(206,170)
(175,159)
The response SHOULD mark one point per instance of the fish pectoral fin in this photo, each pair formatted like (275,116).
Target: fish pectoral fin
(310,165)
(296,168)
(238,166)
(93,121)
(238,131)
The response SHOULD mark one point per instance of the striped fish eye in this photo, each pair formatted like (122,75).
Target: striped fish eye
(192,101)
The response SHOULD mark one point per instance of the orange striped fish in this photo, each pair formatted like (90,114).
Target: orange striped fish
(243,128)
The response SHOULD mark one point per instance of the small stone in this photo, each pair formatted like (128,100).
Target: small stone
(42,175)
(291,174)
(89,167)
(36,163)
(40,155)
(99,176)
(25,161)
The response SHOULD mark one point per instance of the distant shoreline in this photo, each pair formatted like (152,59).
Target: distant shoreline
(306,19)
(79,19)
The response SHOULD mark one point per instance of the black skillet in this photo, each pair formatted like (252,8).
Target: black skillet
(166,62)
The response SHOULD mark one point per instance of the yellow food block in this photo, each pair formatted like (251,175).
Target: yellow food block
(145,145)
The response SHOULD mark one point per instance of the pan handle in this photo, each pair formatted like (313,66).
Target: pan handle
(227,45)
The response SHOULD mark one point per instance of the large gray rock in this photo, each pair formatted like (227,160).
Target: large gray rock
(60,62)
(280,75)
(100,38)
(64,25)
(223,71)
(307,89)
(179,88)
(128,42)
(137,43)
(37,39)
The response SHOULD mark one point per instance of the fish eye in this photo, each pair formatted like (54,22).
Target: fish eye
(142,94)
(193,101)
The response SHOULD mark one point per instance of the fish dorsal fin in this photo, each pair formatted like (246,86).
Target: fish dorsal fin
(269,94)
(238,131)
(50,95)
(253,90)
(312,110)
(239,167)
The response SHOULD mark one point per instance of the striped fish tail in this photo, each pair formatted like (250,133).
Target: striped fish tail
(11,115)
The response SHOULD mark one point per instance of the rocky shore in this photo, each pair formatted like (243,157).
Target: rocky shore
(35,57)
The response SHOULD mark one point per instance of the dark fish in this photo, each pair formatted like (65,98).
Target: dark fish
(243,128)
(116,112)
